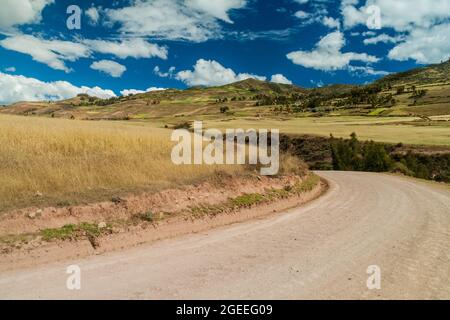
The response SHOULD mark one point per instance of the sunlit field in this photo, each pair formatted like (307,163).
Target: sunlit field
(390,130)
(54,161)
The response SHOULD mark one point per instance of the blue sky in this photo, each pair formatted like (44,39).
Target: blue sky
(133,46)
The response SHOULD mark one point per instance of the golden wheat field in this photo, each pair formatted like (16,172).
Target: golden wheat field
(54,161)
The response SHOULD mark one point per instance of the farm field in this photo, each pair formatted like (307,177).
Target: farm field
(63,162)
(407,130)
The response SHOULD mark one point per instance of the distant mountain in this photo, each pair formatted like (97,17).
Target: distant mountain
(425,92)
(259,86)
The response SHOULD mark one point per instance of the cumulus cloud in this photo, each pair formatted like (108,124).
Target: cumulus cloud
(328,55)
(54,53)
(14,88)
(192,20)
(211,73)
(127,92)
(18,12)
(422,27)
(424,45)
(401,15)
(10,69)
(112,68)
(50,52)
(279,78)
(131,48)
(218,9)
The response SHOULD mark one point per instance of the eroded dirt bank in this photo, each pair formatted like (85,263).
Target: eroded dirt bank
(34,236)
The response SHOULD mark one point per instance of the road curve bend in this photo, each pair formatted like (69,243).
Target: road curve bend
(319,251)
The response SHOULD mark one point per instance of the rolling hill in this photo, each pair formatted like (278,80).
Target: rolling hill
(422,92)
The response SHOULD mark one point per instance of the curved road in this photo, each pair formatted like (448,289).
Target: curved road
(321,250)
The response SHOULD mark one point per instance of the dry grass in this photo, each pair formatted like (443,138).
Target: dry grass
(73,161)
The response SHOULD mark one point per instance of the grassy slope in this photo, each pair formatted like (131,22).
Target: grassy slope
(72,161)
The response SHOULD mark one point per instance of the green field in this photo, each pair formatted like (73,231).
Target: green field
(391,130)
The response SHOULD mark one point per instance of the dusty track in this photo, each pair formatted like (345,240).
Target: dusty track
(321,250)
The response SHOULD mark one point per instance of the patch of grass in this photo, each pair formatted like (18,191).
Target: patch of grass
(147,217)
(72,231)
(377,112)
(308,184)
(247,200)
(64,233)
(253,199)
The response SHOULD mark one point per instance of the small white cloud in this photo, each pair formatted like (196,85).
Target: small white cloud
(218,8)
(211,73)
(93,14)
(366,71)
(132,48)
(168,74)
(14,88)
(10,69)
(127,92)
(327,54)
(384,38)
(279,78)
(112,68)
(318,84)
(302,14)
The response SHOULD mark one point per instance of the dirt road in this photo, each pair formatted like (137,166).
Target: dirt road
(321,250)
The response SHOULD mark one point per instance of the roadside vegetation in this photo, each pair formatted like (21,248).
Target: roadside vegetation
(352,155)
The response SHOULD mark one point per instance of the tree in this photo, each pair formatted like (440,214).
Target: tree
(224,109)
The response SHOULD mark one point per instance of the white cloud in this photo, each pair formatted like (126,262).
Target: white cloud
(401,15)
(327,55)
(302,14)
(319,15)
(168,74)
(422,27)
(112,68)
(211,73)
(279,78)
(331,22)
(18,12)
(10,69)
(366,71)
(14,88)
(93,15)
(134,48)
(192,20)
(384,38)
(218,8)
(50,52)
(424,45)
(127,92)
(54,53)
